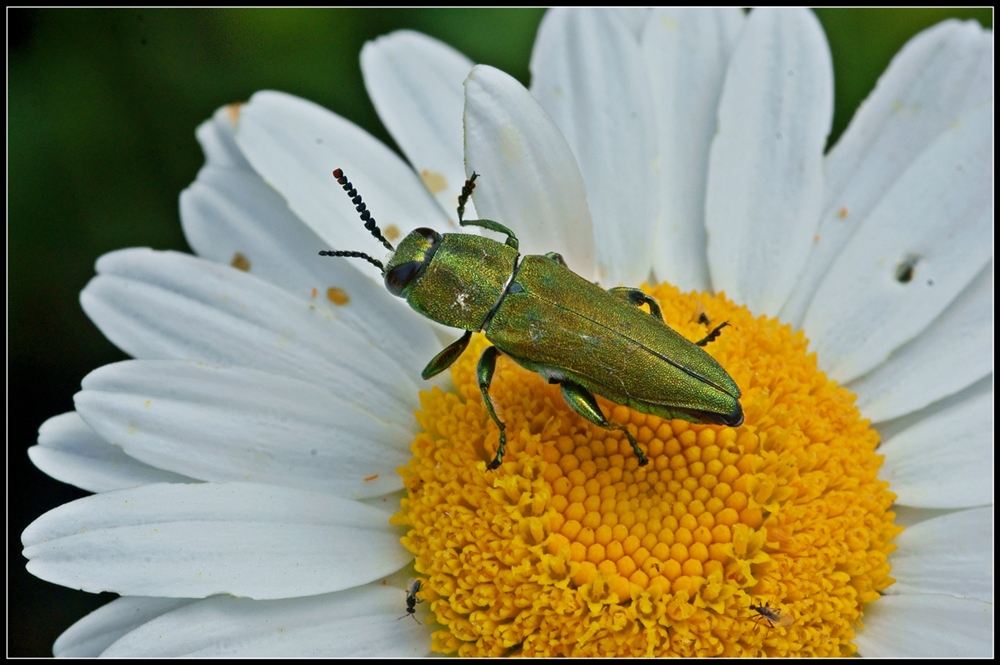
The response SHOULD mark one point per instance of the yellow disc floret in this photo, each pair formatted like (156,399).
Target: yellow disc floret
(571,548)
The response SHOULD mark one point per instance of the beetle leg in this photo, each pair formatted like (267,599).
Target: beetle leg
(583,402)
(557,257)
(488,224)
(448,355)
(484,373)
(637,298)
(710,337)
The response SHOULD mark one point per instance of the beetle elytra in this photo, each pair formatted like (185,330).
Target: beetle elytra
(549,320)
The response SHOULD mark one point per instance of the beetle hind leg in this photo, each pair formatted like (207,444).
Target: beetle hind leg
(583,402)
(484,374)
(638,298)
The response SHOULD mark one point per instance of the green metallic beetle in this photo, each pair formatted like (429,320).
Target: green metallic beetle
(551,321)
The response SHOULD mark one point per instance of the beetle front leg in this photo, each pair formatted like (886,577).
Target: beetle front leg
(448,355)
(484,373)
(583,402)
(488,224)
(638,298)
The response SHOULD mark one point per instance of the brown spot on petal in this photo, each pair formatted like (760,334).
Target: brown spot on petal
(392,233)
(314,292)
(843,212)
(240,262)
(371,478)
(233,111)
(337,296)
(434,182)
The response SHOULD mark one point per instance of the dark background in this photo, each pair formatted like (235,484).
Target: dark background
(102,107)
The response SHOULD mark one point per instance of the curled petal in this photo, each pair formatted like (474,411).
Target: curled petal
(530,181)
(588,73)
(686,53)
(415,83)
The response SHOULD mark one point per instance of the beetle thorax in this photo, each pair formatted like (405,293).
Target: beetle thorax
(464,280)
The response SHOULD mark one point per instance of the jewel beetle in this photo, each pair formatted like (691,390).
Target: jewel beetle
(549,320)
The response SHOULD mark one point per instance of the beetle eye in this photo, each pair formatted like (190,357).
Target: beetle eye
(397,279)
(411,258)
(431,235)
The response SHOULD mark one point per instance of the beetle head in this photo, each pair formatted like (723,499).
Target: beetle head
(410,260)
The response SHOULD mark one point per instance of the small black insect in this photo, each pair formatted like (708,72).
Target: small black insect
(412,588)
(771,615)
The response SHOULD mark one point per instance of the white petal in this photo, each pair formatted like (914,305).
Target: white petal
(295,145)
(949,555)
(926,627)
(936,219)
(952,353)
(942,72)
(387,502)
(169,305)
(229,424)
(232,216)
(946,460)
(634,18)
(70,451)
(415,83)
(765,183)
(91,635)
(686,52)
(587,71)
(529,177)
(909,516)
(360,623)
(192,541)
(890,428)
(217,141)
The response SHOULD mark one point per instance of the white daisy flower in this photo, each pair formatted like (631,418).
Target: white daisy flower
(245,463)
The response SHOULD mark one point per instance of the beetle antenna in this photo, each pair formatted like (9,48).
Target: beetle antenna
(360,206)
(463,198)
(354,255)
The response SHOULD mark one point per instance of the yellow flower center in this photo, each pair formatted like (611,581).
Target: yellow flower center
(571,548)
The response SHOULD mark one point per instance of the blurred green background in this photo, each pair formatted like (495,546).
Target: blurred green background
(102,107)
